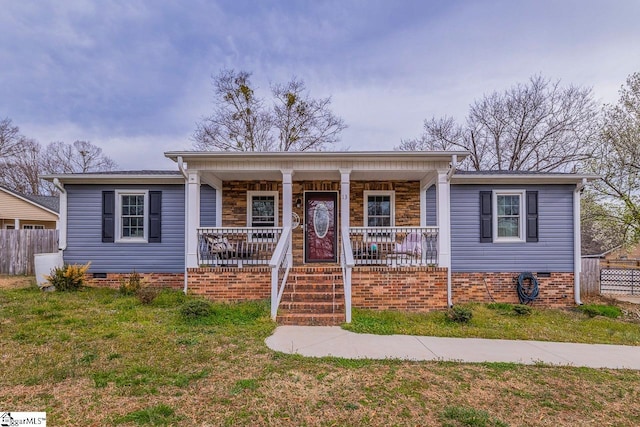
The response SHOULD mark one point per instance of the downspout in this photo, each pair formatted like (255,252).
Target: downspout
(62,239)
(577,246)
(183,170)
(454,165)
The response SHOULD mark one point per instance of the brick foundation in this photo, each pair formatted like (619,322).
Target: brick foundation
(555,291)
(416,289)
(413,289)
(230,284)
(155,280)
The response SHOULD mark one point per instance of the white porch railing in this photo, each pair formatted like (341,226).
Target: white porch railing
(237,246)
(347,262)
(280,264)
(394,246)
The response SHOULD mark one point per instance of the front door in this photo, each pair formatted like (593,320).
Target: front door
(320,218)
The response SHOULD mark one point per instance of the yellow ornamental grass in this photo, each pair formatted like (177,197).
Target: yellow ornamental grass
(69,277)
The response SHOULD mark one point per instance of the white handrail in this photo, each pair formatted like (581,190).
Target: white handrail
(347,264)
(280,257)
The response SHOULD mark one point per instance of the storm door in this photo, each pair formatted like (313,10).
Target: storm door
(321,243)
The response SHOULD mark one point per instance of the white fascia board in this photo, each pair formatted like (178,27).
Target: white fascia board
(522,179)
(316,155)
(116,179)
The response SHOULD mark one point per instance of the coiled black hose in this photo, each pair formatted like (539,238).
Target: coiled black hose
(527,292)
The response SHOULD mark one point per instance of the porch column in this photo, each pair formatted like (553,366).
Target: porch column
(443,190)
(193,218)
(287,206)
(16,224)
(345,196)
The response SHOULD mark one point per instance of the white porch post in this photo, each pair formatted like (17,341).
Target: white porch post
(16,224)
(443,190)
(345,196)
(193,218)
(287,207)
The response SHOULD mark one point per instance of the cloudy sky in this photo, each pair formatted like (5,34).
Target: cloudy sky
(134,77)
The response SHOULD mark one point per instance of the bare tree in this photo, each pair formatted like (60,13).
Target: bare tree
(79,157)
(11,141)
(242,122)
(239,121)
(20,172)
(303,123)
(537,126)
(617,159)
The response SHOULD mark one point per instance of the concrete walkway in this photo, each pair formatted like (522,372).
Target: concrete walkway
(320,341)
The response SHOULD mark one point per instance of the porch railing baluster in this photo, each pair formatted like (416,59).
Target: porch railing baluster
(394,246)
(236,246)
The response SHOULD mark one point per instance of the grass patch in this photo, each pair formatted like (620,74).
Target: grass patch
(160,415)
(593,310)
(454,416)
(96,357)
(504,321)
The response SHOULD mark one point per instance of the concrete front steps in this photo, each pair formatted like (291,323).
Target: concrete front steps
(313,296)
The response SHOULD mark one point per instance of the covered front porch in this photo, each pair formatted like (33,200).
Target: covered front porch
(356,216)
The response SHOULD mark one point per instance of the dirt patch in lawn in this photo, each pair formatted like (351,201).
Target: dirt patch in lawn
(16,282)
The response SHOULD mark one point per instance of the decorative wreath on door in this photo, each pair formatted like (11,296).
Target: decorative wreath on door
(295,220)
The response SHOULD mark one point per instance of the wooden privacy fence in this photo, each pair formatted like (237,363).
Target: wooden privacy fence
(590,276)
(18,247)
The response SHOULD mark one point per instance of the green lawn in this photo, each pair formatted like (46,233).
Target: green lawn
(95,357)
(500,321)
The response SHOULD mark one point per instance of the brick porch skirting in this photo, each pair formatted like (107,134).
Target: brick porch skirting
(230,284)
(555,291)
(155,280)
(416,289)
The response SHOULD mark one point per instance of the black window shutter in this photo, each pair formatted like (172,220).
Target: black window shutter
(532,216)
(108,216)
(155,216)
(486,219)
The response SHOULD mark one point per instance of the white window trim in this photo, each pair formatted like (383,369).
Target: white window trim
(250,195)
(118,216)
(33,227)
(392,199)
(522,223)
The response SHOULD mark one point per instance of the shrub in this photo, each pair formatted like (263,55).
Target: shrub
(195,309)
(68,277)
(593,310)
(459,314)
(131,285)
(146,295)
(522,310)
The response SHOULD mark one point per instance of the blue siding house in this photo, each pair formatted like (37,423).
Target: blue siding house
(389,230)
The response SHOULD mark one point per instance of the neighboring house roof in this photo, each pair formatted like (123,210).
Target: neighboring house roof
(49,203)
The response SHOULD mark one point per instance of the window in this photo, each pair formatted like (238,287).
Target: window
(379,209)
(262,211)
(509,224)
(33,227)
(131,218)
